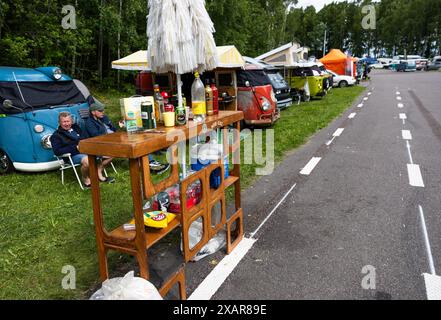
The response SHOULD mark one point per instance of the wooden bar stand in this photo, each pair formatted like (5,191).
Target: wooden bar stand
(136,147)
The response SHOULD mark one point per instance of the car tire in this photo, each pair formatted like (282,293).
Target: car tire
(6,165)
(343,84)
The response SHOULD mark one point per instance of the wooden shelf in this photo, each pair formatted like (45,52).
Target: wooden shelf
(230,181)
(152,235)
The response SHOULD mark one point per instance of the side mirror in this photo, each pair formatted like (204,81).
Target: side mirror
(247,84)
(7,104)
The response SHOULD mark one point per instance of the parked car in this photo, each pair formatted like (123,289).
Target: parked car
(435,64)
(280,86)
(405,66)
(421,64)
(30,101)
(342,81)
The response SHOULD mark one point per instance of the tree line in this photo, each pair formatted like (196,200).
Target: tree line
(31,32)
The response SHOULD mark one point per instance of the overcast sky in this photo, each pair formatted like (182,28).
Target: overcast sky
(318,4)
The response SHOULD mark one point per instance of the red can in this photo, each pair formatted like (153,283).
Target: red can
(169,108)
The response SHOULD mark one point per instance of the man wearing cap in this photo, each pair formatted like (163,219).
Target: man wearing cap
(99,124)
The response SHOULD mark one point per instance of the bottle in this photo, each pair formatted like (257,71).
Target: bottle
(215,97)
(180,116)
(159,105)
(146,114)
(209,98)
(198,104)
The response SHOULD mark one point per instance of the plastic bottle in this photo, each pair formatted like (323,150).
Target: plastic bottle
(209,98)
(198,103)
(159,105)
(215,97)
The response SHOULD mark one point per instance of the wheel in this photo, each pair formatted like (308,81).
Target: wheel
(343,84)
(306,97)
(5,163)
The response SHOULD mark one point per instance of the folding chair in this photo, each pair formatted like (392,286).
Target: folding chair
(67,165)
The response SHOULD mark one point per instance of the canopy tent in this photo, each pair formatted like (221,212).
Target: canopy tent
(340,63)
(228,57)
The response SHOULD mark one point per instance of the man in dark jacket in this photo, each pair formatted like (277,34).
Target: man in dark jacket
(66,139)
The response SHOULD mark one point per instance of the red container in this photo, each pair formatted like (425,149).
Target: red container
(169,108)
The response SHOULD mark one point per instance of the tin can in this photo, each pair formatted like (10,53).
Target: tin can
(181,119)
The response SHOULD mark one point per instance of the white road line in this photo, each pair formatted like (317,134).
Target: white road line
(252,234)
(338,132)
(212,283)
(408,151)
(400,105)
(415,177)
(366,99)
(433,286)
(426,241)
(352,115)
(360,105)
(398,93)
(399,98)
(403,117)
(330,141)
(369,93)
(310,166)
(406,135)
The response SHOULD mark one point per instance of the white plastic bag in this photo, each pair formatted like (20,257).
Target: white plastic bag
(127,288)
(195,234)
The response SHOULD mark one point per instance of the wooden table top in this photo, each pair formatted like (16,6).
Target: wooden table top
(124,145)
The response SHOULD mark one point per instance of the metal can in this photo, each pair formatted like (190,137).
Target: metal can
(181,119)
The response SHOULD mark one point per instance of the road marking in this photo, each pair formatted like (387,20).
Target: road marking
(330,141)
(426,241)
(415,177)
(252,234)
(400,105)
(399,98)
(352,115)
(403,117)
(408,151)
(369,93)
(338,132)
(398,93)
(212,283)
(406,134)
(310,166)
(366,99)
(433,286)
(360,105)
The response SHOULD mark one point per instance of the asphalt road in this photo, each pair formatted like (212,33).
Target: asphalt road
(356,218)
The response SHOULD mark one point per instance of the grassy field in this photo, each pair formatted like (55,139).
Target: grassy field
(45,225)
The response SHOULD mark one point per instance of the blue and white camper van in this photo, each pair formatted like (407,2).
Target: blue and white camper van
(30,101)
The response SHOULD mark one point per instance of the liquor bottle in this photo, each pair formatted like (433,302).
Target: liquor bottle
(146,114)
(198,103)
(215,97)
(159,105)
(209,98)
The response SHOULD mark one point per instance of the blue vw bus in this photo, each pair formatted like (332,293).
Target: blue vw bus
(30,101)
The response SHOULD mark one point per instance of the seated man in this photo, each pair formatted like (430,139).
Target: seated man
(66,140)
(98,124)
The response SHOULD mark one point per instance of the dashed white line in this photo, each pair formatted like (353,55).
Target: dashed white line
(360,105)
(352,115)
(400,105)
(433,286)
(310,166)
(369,93)
(398,93)
(406,135)
(403,117)
(408,151)
(365,98)
(399,98)
(415,177)
(338,132)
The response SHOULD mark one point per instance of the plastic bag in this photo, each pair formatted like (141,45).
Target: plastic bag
(216,243)
(127,288)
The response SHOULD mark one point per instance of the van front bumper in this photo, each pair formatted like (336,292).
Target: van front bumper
(36,167)
(264,119)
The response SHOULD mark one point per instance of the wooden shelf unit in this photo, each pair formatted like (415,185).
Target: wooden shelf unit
(136,148)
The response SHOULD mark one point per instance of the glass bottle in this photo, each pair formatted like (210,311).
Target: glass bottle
(198,103)
(159,104)
(215,97)
(209,98)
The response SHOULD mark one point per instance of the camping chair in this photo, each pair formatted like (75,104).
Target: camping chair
(66,165)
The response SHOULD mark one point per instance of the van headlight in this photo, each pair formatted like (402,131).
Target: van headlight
(278,92)
(266,105)
(46,142)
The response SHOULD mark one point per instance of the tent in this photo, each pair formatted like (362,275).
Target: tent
(228,57)
(340,63)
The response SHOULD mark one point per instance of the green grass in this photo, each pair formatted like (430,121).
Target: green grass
(45,225)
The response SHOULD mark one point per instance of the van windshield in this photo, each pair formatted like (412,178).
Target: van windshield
(277,80)
(39,95)
(255,77)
